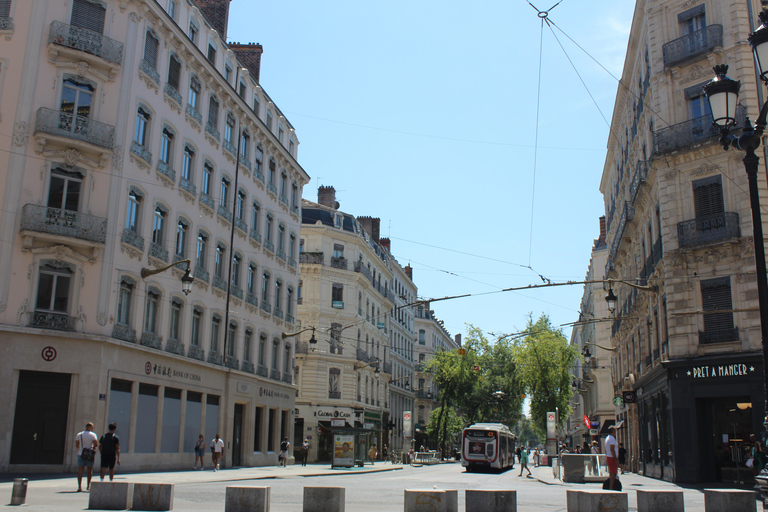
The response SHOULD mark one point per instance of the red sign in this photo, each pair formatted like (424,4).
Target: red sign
(477,368)
(586,421)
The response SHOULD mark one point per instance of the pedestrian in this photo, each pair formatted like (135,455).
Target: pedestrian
(304,452)
(524,462)
(622,457)
(284,447)
(385,453)
(86,443)
(109,447)
(535,457)
(757,458)
(595,450)
(611,455)
(217,451)
(517,452)
(372,453)
(199,451)
(411,455)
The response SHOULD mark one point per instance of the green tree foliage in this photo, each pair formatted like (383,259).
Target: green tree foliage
(543,358)
(453,426)
(526,434)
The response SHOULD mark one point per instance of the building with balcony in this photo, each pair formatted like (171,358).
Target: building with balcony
(347,297)
(678,219)
(431,337)
(593,406)
(124,116)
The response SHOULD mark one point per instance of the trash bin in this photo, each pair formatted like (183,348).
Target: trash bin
(19,493)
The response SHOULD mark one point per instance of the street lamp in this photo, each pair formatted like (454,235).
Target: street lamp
(374,364)
(312,340)
(722,93)
(186,279)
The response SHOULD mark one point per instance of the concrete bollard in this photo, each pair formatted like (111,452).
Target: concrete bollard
(649,500)
(324,499)
(152,497)
(589,501)
(19,492)
(431,500)
(717,500)
(490,501)
(247,499)
(110,496)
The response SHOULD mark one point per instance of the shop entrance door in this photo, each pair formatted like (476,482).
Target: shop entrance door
(40,419)
(237,435)
(725,428)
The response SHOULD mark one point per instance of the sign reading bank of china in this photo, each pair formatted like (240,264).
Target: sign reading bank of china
(718,371)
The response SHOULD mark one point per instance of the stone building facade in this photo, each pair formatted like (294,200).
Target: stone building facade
(678,219)
(138,141)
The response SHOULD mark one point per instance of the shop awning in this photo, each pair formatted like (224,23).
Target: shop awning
(619,424)
(606,424)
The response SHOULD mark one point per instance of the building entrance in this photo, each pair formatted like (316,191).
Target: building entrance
(40,419)
(237,435)
(726,439)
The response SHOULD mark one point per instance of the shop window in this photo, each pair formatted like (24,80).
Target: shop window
(192,419)
(211,417)
(258,428)
(120,410)
(171,426)
(146,418)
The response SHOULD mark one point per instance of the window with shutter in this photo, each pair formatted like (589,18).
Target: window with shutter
(151,45)
(174,72)
(708,196)
(213,112)
(5,8)
(85,14)
(716,296)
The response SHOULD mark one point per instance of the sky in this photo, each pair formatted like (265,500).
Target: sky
(475,136)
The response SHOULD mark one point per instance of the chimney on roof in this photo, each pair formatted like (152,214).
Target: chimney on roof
(601,240)
(371,225)
(250,56)
(386,243)
(326,196)
(409,272)
(217,14)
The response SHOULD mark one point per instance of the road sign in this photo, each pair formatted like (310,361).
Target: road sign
(586,421)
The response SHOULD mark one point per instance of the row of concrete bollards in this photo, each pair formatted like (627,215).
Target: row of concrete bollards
(145,496)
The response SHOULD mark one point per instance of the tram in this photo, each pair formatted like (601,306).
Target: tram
(487,446)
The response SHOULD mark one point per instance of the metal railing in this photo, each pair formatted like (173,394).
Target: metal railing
(690,133)
(141,152)
(194,114)
(56,221)
(166,170)
(339,262)
(311,258)
(55,321)
(188,186)
(86,40)
(83,128)
(709,229)
(130,237)
(158,252)
(719,335)
(692,45)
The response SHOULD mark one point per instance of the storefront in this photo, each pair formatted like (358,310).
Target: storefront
(697,418)
(315,424)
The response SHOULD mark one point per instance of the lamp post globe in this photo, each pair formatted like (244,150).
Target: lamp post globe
(186,282)
(723,94)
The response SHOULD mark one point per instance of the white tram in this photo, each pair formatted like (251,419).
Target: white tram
(486,446)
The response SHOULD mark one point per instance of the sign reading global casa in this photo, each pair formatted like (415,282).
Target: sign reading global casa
(718,371)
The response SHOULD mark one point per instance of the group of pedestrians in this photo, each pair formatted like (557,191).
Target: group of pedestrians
(217,452)
(86,444)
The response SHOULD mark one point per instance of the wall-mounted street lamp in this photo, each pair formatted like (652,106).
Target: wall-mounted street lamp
(312,340)
(613,301)
(428,394)
(186,279)
(373,364)
(406,385)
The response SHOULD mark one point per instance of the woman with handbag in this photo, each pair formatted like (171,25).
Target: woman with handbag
(86,443)
(199,451)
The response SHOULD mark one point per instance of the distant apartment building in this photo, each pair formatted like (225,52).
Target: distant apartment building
(138,138)
(678,219)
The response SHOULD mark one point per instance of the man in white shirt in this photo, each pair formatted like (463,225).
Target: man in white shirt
(611,449)
(217,450)
(87,439)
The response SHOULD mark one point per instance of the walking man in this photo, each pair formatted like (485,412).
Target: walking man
(86,443)
(109,447)
(611,454)
(217,450)
(304,452)
(524,462)
(284,447)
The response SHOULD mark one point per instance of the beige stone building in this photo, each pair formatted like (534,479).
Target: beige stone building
(678,218)
(122,122)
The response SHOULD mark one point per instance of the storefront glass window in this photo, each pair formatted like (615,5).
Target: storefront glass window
(211,418)
(169,442)
(146,419)
(120,409)
(257,429)
(192,419)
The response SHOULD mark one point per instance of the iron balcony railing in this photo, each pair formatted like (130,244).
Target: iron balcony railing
(56,221)
(173,93)
(188,186)
(274,374)
(193,113)
(339,262)
(158,252)
(690,133)
(55,321)
(202,274)
(719,335)
(150,71)
(334,395)
(262,371)
(196,352)
(87,41)
(311,258)
(130,237)
(83,128)
(287,378)
(125,333)
(692,45)
(709,229)
(362,355)
(247,366)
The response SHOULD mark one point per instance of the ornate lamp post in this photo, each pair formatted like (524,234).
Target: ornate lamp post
(723,93)
(186,279)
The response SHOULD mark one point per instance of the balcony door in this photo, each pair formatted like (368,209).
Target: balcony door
(64,190)
(89,15)
(76,98)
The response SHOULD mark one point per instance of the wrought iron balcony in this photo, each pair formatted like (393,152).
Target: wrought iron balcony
(335,395)
(269,246)
(252,300)
(6,23)
(278,313)
(56,221)
(281,254)
(692,45)
(195,352)
(274,374)
(289,318)
(82,128)
(262,371)
(167,171)
(255,236)
(152,340)
(227,145)
(311,258)
(123,332)
(287,378)
(130,237)
(212,130)
(362,269)
(150,71)
(689,133)
(55,321)
(719,336)
(193,113)
(640,177)
(241,225)
(247,366)
(85,40)
(362,355)
(174,346)
(232,362)
(295,209)
(188,187)
(339,262)
(284,199)
(173,94)
(219,282)
(236,291)
(272,188)
(141,152)
(387,368)
(207,200)
(266,306)
(156,251)
(224,212)
(214,357)
(245,162)
(709,229)
(291,262)
(259,175)
(202,274)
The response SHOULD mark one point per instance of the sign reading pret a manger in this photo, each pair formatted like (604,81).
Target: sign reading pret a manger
(717,371)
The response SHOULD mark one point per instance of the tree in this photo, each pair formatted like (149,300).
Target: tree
(453,424)
(544,358)
(526,433)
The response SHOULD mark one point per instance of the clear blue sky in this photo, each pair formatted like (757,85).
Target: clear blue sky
(423,113)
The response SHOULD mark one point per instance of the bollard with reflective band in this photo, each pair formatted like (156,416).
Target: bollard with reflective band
(19,493)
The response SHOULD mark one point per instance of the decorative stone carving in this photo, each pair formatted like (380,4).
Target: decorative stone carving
(101,319)
(704,169)
(695,74)
(23,314)
(82,68)
(20,134)
(59,252)
(71,156)
(80,321)
(117,158)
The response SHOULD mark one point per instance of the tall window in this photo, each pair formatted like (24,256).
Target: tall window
(194,92)
(337,295)
(64,190)
(158,228)
(182,228)
(221,253)
(258,159)
(262,349)
(166,146)
(247,341)
(54,287)
(215,330)
(708,196)
(231,339)
(287,360)
(151,45)
(212,54)
(292,246)
(275,353)
(269,120)
(281,239)
(716,296)
(272,173)
(289,301)
(255,217)
(229,128)
(422,337)
(278,293)
(188,163)
(265,288)
(173,9)
(142,126)
(132,217)
(224,192)
(256,106)
(85,14)
(174,72)
(194,29)
(150,312)
(197,323)
(205,189)
(294,195)
(237,261)
(124,298)
(240,205)
(76,99)
(175,327)
(202,247)
(283,187)
(251,280)
(245,143)
(213,113)
(268,230)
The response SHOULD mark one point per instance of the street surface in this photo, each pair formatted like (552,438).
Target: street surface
(375,488)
